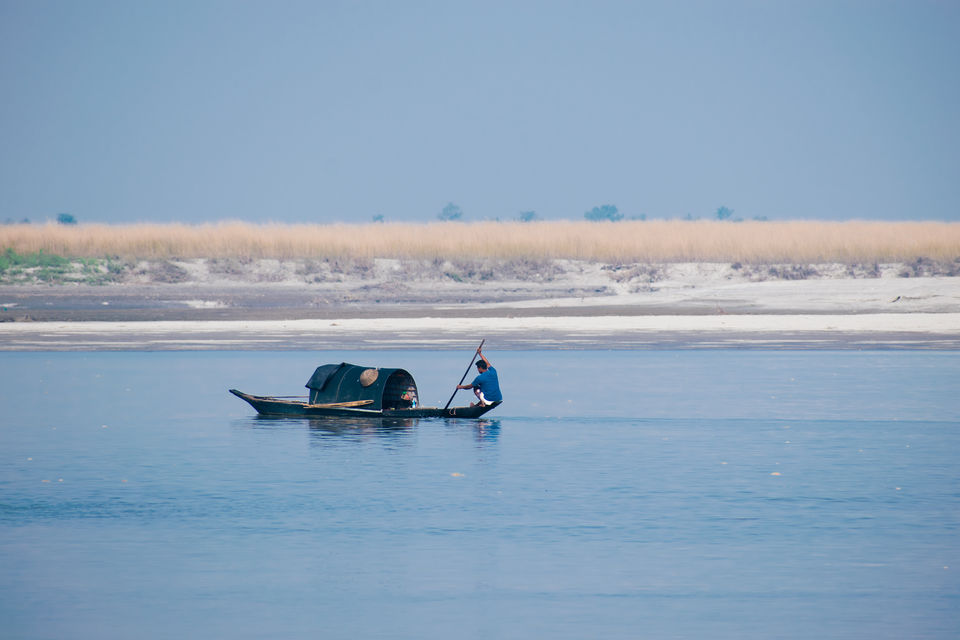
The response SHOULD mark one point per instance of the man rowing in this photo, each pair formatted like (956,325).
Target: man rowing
(486,385)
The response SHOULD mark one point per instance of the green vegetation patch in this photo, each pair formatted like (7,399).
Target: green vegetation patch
(10,259)
(41,267)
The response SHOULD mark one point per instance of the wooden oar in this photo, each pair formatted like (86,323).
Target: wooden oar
(474,357)
(335,405)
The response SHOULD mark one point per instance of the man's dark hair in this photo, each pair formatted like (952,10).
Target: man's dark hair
(481,365)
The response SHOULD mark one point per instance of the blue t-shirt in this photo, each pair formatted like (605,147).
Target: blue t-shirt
(489,385)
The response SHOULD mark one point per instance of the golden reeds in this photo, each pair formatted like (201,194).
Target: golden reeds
(648,241)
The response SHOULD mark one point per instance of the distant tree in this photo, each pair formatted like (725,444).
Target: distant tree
(760,218)
(640,217)
(527,216)
(723,213)
(378,217)
(606,212)
(66,218)
(450,213)
(25,221)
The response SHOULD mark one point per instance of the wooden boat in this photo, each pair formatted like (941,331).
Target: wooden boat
(349,390)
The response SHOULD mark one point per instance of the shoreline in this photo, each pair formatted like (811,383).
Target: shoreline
(581,305)
(823,331)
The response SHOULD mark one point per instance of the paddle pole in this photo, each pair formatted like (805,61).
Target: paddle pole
(474,357)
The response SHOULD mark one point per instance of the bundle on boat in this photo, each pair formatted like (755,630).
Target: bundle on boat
(346,389)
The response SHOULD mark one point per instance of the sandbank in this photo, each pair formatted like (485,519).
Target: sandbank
(923,330)
(580,306)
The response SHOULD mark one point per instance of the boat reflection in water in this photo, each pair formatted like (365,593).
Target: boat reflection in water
(485,430)
(353,428)
(361,428)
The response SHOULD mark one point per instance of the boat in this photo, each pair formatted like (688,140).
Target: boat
(350,390)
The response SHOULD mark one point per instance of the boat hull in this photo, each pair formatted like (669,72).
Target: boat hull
(268,406)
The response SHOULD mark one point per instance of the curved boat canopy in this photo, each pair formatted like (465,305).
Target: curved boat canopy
(380,388)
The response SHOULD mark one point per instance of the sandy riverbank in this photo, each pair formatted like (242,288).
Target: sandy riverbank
(574,305)
(533,332)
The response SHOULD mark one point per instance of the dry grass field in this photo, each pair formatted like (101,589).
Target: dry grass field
(799,242)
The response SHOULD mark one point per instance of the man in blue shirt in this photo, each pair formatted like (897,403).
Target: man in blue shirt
(486,385)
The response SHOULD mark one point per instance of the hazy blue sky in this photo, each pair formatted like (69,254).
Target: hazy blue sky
(319,111)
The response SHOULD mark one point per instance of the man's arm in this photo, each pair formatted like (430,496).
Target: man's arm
(484,358)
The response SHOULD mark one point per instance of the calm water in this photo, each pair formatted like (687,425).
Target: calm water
(694,494)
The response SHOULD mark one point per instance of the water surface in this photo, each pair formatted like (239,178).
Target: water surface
(721,494)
